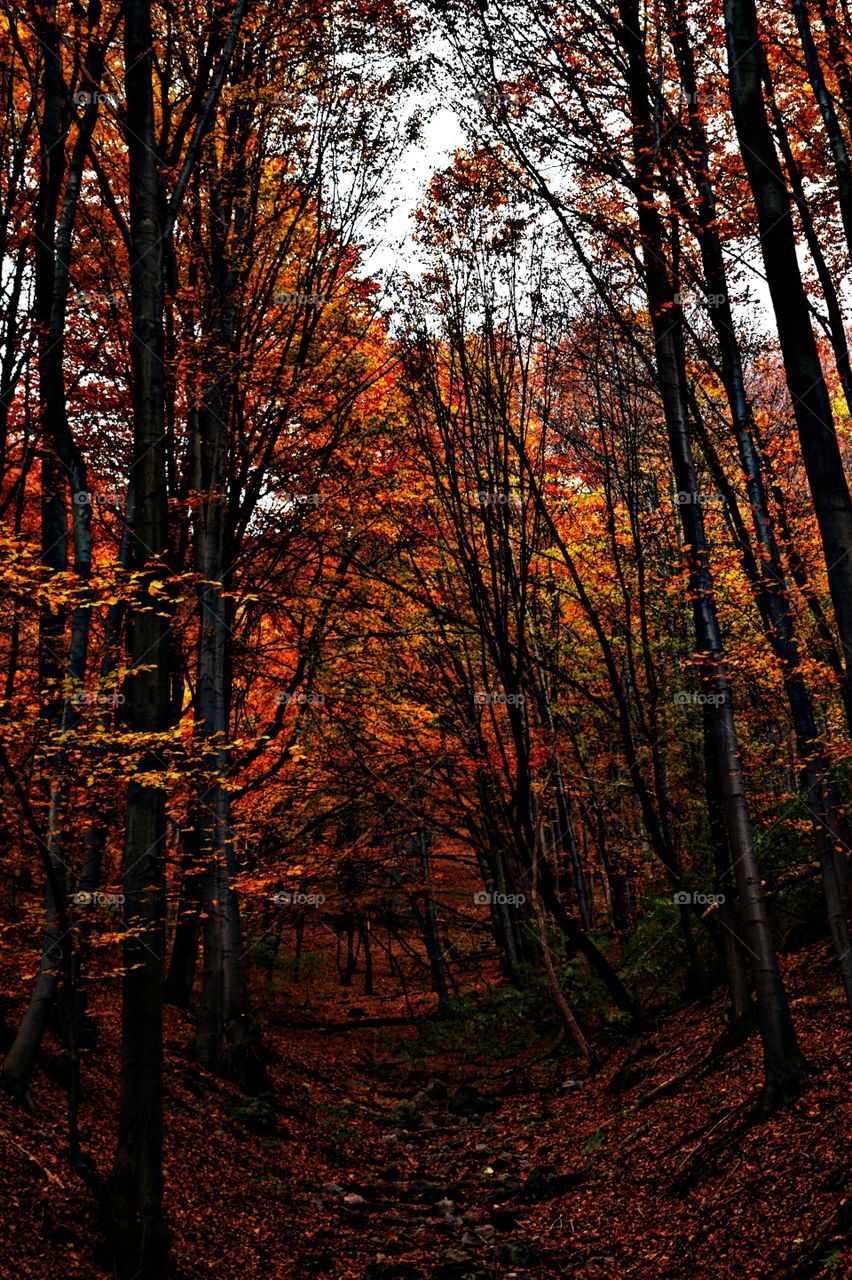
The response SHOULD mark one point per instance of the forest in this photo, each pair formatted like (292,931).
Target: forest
(426,634)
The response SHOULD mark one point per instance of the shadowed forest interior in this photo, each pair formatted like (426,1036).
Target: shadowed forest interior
(426,623)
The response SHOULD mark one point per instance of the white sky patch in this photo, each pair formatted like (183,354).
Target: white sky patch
(407,183)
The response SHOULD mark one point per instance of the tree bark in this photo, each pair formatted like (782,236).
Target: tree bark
(805,379)
(137,1222)
(783,1062)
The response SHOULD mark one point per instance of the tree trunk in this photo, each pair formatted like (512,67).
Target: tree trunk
(740,1013)
(63,469)
(768,581)
(137,1223)
(783,1062)
(837,142)
(184,957)
(437,967)
(805,380)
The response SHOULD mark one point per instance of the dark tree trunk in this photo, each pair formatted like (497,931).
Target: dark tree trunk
(837,142)
(768,581)
(740,1014)
(783,1062)
(224,1013)
(63,470)
(805,380)
(137,1222)
(581,942)
(184,957)
(437,967)
(368,956)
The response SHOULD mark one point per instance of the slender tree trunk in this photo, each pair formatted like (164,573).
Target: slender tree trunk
(768,581)
(64,469)
(783,1062)
(184,956)
(805,379)
(837,142)
(138,1225)
(837,46)
(565,1011)
(368,956)
(437,967)
(581,942)
(836,328)
(740,1009)
(574,1028)
(224,1011)
(224,1014)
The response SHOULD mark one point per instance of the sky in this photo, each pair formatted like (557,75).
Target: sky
(394,251)
(442,135)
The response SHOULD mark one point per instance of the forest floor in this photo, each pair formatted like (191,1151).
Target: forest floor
(371,1157)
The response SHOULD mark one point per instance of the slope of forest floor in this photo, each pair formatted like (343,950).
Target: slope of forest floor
(372,1158)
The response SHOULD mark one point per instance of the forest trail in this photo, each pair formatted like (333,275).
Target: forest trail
(371,1158)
